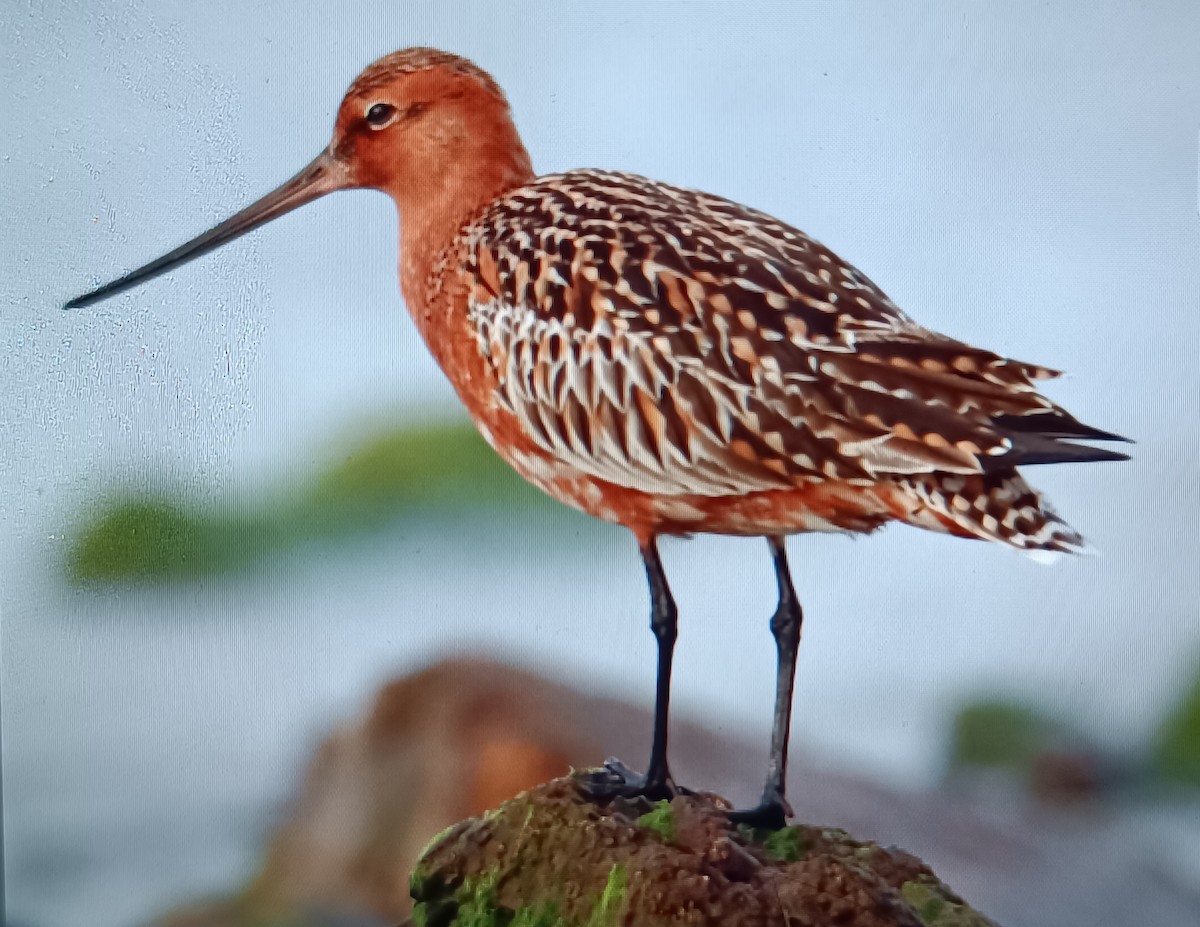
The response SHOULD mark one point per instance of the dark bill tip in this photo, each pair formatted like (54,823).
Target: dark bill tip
(323,175)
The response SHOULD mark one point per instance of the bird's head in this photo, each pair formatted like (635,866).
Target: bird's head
(419,117)
(427,127)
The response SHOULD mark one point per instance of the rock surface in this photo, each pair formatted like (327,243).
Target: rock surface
(552,856)
(463,735)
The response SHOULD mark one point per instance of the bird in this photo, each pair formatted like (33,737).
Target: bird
(674,362)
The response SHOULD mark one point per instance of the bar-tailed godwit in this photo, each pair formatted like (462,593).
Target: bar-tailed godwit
(673,361)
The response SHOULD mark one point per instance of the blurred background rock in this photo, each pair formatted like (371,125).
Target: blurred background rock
(456,739)
(239,504)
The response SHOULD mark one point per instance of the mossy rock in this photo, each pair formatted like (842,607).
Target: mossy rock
(552,856)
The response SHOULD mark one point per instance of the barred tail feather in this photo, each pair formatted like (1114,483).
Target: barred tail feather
(997,506)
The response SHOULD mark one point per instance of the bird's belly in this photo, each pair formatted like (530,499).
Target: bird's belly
(813,505)
(822,505)
(816,505)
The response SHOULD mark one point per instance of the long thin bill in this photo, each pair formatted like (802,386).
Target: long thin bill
(323,175)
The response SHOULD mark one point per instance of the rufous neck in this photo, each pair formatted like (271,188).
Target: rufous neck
(434,211)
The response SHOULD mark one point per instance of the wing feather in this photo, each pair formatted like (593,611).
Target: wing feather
(673,341)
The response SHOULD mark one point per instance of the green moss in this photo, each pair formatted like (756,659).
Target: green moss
(926,902)
(538,915)
(934,909)
(474,904)
(660,820)
(1000,734)
(786,845)
(420,884)
(1177,746)
(611,904)
(477,905)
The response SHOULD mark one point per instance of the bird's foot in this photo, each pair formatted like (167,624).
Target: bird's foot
(615,781)
(771,813)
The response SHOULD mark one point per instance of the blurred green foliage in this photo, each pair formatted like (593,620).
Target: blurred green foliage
(429,466)
(996,733)
(143,538)
(999,734)
(1176,754)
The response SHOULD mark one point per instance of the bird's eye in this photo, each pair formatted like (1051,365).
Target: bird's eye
(381,115)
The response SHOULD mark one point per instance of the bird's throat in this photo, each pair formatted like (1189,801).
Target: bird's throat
(434,213)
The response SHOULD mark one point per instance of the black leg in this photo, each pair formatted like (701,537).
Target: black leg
(663,622)
(785,627)
(773,810)
(616,779)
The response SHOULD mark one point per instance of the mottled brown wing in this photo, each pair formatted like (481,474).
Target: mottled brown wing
(676,342)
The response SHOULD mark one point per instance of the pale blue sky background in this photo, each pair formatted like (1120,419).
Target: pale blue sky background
(1022,177)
